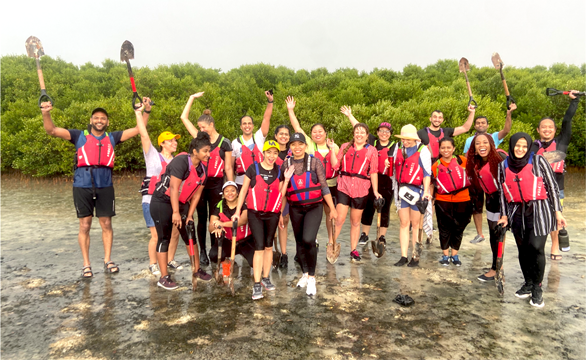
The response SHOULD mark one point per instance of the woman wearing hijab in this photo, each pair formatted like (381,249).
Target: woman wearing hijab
(530,204)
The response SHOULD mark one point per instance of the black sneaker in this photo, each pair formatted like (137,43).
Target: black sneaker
(402,261)
(363,239)
(485,278)
(413,263)
(382,239)
(456,260)
(445,261)
(537,297)
(167,284)
(284,261)
(257,291)
(203,258)
(355,256)
(525,291)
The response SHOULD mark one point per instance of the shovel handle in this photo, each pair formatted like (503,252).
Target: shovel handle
(136,99)
(510,101)
(472,101)
(45,96)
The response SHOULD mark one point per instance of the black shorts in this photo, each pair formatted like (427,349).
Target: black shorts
(84,202)
(263,226)
(354,203)
(334,193)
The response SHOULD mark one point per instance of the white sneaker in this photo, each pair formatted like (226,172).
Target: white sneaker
(303,281)
(311,290)
(154,268)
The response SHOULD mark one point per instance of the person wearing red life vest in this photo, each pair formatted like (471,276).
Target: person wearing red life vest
(357,163)
(93,190)
(530,204)
(282,136)
(305,187)
(548,141)
(453,207)
(156,163)
(412,172)
(317,145)
(221,228)
(262,192)
(174,202)
(219,164)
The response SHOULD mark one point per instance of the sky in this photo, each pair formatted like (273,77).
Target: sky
(301,34)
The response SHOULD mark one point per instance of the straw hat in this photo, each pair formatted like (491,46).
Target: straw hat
(409,132)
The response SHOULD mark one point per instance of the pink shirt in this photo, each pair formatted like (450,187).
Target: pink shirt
(353,186)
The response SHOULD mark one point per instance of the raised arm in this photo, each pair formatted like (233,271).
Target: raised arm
(141,123)
(50,128)
(291,110)
(566,132)
(508,122)
(185,115)
(334,155)
(466,126)
(266,119)
(346,110)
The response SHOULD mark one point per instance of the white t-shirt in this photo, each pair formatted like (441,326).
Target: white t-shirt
(259,139)
(154,166)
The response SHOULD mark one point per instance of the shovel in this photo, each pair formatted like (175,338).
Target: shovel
(232,255)
(219,279)
(127,54)
(378,246)
(554,156)
(500,274)
(554,92)
(333,249)
(464,67)
(422,206)
(498,64)
(190,231)
(34,49)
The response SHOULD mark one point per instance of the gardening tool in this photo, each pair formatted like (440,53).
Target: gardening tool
(232,255)
(554,92)
(554,156)
(219,279)
(276,256)
(498,64)
(190,232)
(126,54)
(465,66)
(378,246)
(34,49)
(422,206)
(500,274)
(333,249)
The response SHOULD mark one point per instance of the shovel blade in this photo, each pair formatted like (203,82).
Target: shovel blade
(127,51)
(496,61)
(34,48)
(333,252)
(554,156)
(276,258)
(464,65)
(381,247)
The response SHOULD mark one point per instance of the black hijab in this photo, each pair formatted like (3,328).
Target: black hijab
(517,164)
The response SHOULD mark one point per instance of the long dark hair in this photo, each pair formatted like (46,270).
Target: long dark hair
(351,143)
(202,139)
(474,161)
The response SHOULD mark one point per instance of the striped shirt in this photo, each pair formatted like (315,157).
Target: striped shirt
(544,220)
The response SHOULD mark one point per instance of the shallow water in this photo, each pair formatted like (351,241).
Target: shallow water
(49,312)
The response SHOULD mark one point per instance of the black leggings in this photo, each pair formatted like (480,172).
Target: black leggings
(244,247)
(452,219)
(263,226)
(386,190)
(493,205)
(305,221)
(531,249)
(210,197)
(162,214)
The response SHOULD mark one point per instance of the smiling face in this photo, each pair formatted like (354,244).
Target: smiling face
(169,146)
(99,121)
(283,136)
(205,127)
(482,146)
(203,154)
(318,135)
(546,130)
(360,135)
(407,143)
(230,194)
(383,134)
(246,125)
(270,156)
(520,148)
(298,149)
(481,125)
(446,150)
(436,119)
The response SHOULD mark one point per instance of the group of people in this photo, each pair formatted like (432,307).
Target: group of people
(265,184)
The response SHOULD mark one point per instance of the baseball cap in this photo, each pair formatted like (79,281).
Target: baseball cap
(298,137)
(229,183)
(99,109)
(270,144)
(167,135)
(385,124)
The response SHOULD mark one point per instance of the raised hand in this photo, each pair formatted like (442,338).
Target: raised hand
(346,110)
(330,142)
(290,103)
(269,96)
(289,172)
(147,101)
(197,95)
(512,107)
(46,107)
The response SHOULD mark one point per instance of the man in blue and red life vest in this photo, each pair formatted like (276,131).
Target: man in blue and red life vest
(247,148)
(549,142)
(92,181)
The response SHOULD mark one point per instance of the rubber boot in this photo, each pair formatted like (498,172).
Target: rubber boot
(564,240)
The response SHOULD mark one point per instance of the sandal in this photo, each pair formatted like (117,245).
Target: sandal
(85,271)
(111,269)
(556,257)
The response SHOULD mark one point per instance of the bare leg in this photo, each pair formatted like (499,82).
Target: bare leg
(162,259)
(342,211)
(173,244)
(383,231)
(555,242)
(83,238)
(153,246)
(107,237)
(415,216)
(478,223)
(328,223)
(366,229)
(257,264)
(282,233)
(355,217)
(267,261)
(404,230)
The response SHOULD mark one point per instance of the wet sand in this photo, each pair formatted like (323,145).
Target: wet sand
(48,312)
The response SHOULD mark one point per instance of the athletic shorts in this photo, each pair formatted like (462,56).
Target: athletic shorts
(354,203)
(146,213)
(263,226)
(84,202)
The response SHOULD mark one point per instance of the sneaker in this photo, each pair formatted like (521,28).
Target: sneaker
(537,297)
(525,291)
(174,265)
(355,256)
(257,291)
(402,261)
(266,283)
(382,239)
(284,263)
(456,260)
(445,261)
(565,249)
(485,278)
(203,258)
(202,275)
(303,281)
(154,268)
(363,239)
(477,239)
(167,284)
(413,263)
(311,290)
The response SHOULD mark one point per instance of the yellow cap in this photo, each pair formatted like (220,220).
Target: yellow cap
(270,144)
(167,135)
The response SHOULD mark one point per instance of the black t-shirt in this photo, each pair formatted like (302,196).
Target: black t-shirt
(179,168)
(371,139)
(283,154)
(224,146)
(422,133)
(226,210)
(268,175)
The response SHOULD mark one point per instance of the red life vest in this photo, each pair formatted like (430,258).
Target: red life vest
(190,185)
(149,183)
(96,152)
(451,179)
(383,155)
(264,197)
(330,172)
(243,231)
(247,156)
(408,170)
(215,163)
(356,163)
(280,161)
(434,143)
(557,167)
(524,186)
(303,190)
(485,179)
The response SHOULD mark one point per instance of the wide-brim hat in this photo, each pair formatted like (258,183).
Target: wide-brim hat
(408,132)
